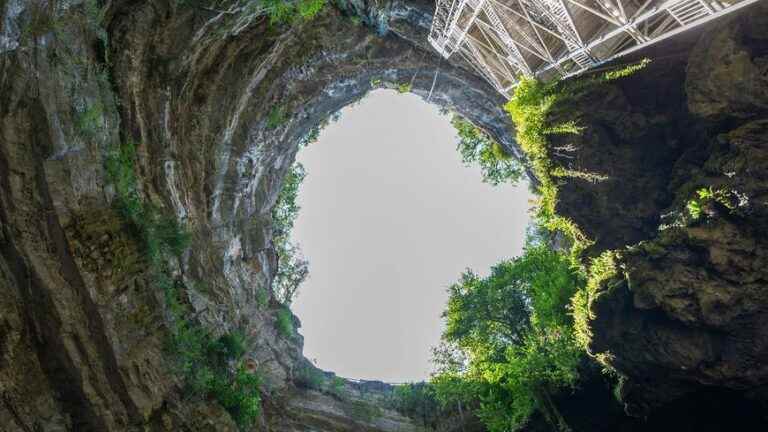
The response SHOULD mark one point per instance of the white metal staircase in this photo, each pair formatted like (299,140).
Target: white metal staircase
(554,38)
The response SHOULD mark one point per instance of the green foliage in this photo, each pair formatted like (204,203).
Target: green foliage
(417,401)
(292,11)
(202,359)
(286,208)
(499,310)
(516,338)
(336,387)
(89,122)
(276,117)
(516,334)
(284,322)
(240,395)
(602,269)
(704,196)
(310,377)
(363,411)
(530,109)
(230,345)
(696,205)
(624,72)
(694,208)
(404,87)
(292,269)
(279,12)
(204,362)
(476,147)
(357,21)
(119,167)
(262,298)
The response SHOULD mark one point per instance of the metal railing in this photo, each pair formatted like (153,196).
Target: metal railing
(507,39)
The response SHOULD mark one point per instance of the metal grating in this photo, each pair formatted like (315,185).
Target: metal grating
(507,39)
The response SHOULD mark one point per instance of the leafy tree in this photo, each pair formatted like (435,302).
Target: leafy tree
(476,147)
(509,341)
(292,269)
(489,312)
(417,401)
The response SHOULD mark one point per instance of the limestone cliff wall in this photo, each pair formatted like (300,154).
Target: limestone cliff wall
(82,329)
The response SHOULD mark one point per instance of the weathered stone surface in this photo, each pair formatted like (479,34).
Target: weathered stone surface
(728,71)
(81,328)
(687,313)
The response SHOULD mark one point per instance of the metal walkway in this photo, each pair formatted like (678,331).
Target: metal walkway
(506,39)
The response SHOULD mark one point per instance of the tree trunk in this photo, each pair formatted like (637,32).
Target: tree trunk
(551,413)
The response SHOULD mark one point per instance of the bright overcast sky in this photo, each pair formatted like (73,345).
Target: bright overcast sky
(389,218)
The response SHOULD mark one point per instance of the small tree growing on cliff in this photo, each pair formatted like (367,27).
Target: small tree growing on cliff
(477,147)
(515,333)
(292,268)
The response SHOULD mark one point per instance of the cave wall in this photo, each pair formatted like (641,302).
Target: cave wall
(683,321)
(82,330)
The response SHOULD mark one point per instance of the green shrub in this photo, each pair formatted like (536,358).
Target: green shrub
(284,322)
(363,411)
(477,147)
(230,345)
(292,268)
(404,87)
(336,387)
(310,377)
(515,330)
(262,298)
(730,199)
(417,401)
(290,11)
(276,117)
(89,122)
(240,395)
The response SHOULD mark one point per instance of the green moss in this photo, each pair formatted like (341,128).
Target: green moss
(529,109)
(284,322)
(89,122)
(262,298)
(288,12)
(277,117)
(601,270)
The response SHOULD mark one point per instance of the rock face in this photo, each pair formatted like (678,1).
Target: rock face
(82,329)
(216,103)
(685,316)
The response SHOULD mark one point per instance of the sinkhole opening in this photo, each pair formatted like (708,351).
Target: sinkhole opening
(390,217)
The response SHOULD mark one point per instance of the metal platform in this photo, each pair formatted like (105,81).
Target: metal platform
(506,39)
